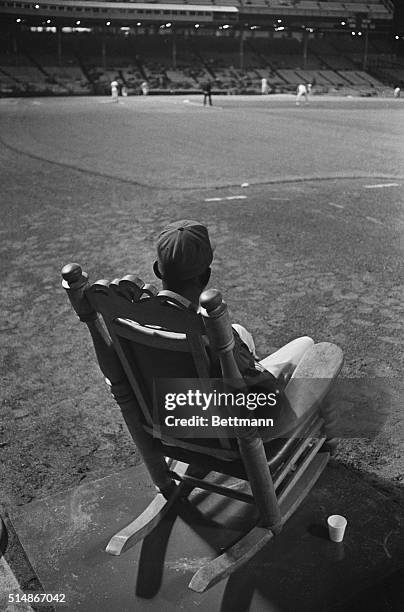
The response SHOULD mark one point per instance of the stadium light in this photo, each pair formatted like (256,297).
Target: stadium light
(78,22)
(19,21)
(196,26)
(37,6)
(48,21)
(359,33)
(343,22)
(168,25)
(353,33)
(279,20)
(108,23)
(139,23)
(396,37)
(226,26)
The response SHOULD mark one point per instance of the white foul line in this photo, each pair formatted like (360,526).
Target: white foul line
(380,185)
(335,205)
(373,220)
(235,197)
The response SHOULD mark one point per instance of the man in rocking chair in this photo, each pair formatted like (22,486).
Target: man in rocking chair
(184,256)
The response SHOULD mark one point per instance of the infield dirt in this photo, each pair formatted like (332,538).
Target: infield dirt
(314,246)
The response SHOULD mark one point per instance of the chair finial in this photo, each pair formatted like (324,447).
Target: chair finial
(71,273)
(211,299)
(75,282)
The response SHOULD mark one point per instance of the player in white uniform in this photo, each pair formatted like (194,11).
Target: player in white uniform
(397,92)
(114,91)
(264,86)
(301,93)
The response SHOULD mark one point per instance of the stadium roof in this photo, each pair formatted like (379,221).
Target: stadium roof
(123,13)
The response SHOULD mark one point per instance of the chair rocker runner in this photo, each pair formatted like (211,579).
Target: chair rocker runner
(140,335)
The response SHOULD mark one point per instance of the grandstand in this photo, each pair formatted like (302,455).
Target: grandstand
(77,47)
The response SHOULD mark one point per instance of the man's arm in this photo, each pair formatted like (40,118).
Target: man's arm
(244,358)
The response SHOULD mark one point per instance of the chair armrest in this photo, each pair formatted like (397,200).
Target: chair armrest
(313,377)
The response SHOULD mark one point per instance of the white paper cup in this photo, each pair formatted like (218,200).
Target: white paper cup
(336,527)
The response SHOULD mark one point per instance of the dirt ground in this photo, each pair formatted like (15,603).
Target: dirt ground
(321,257)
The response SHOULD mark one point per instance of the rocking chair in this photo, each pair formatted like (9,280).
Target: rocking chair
(141,335)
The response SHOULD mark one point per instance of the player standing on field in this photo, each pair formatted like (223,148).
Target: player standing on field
(301,93)
(207,93)
(114,91)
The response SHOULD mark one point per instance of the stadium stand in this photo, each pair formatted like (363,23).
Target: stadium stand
(60,59)
(9,85)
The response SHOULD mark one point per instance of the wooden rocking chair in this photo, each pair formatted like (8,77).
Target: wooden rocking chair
(140,335)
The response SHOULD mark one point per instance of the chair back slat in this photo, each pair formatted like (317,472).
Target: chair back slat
(151,335)
(155,335)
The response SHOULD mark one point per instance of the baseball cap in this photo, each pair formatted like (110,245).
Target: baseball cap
(183,250)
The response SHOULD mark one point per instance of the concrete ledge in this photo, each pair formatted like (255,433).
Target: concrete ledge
(64,538)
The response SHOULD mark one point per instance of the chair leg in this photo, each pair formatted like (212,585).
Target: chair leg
(152,515)
(231,559)
(259,476)
(142,526)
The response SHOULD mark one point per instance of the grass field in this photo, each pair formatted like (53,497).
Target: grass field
(313,245)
